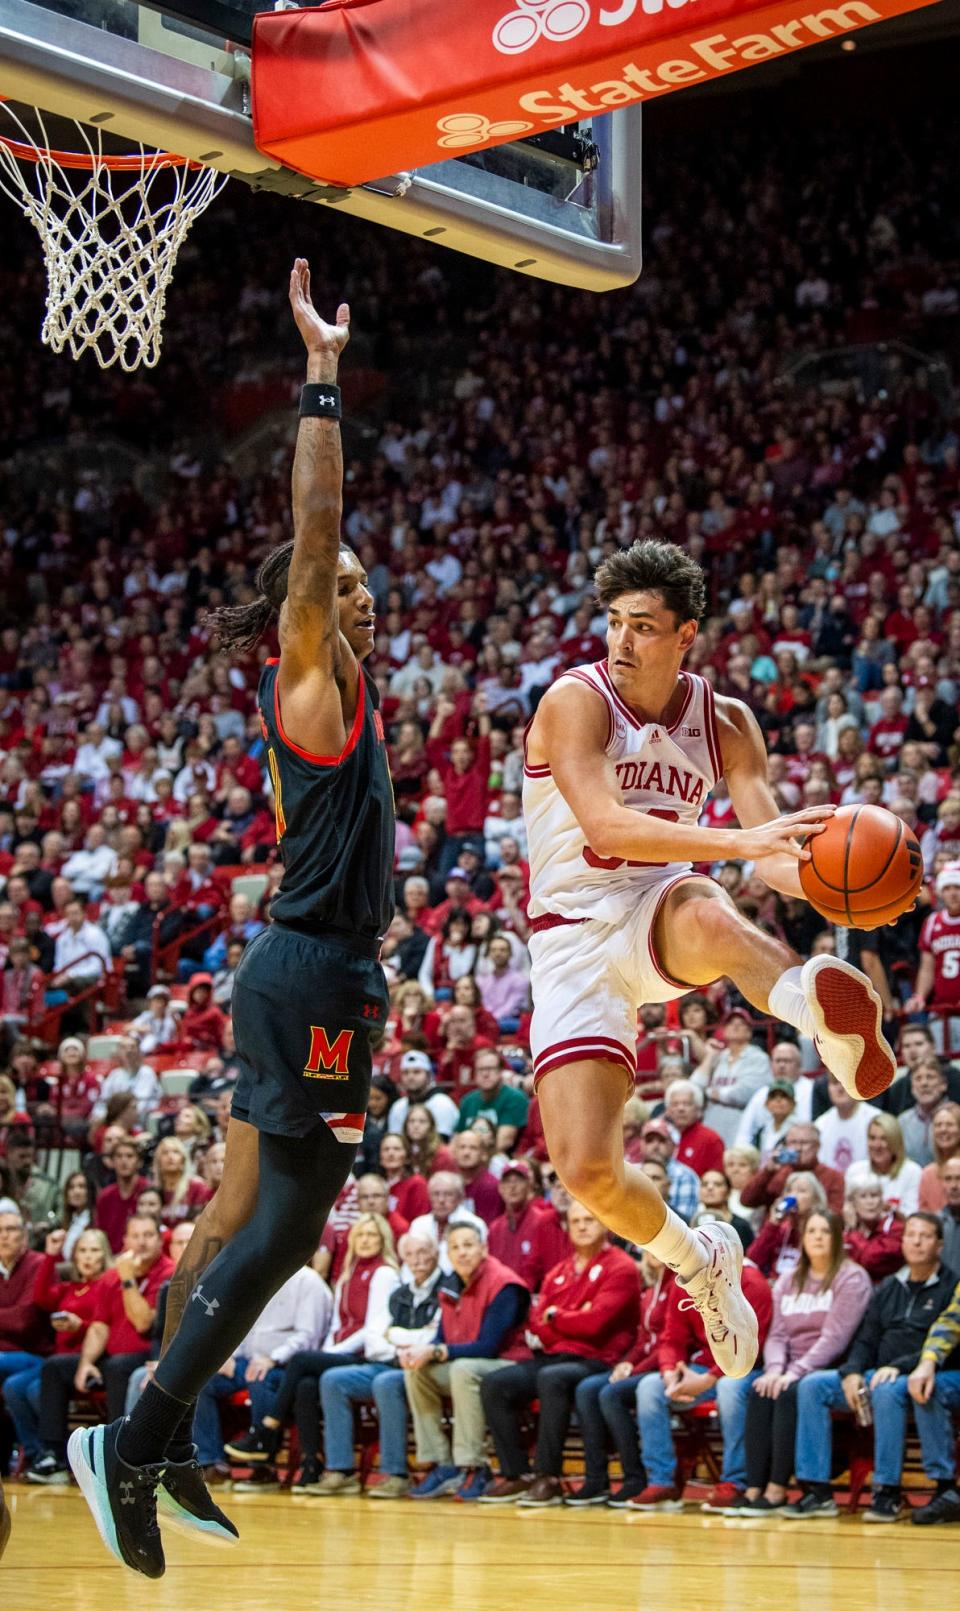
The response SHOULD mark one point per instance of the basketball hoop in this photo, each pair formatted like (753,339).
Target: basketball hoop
(110,240)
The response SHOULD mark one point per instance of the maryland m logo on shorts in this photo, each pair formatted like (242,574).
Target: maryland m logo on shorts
(328,1058)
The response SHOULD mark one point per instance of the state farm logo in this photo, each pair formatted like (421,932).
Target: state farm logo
(461,129)
(561,20)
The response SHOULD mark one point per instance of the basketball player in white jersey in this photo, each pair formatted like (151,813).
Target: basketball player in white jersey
(620,758)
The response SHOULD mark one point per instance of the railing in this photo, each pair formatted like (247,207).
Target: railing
(108,987)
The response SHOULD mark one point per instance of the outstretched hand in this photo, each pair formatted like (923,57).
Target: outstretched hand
(318,336)
(784,835)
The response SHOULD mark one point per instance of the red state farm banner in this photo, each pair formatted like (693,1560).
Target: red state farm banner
(356,89)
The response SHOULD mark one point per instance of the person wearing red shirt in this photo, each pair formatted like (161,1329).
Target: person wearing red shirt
(458,899)
(116,1204)
(938,976)
(584,1321)
(607,1406)
(481,1192)
(688,1374)
(767,1185)
(71,1305)
(887,735)
(522,1236)
(372,1198)
(875,1239)
(407,1192)
(699,1147)
(455,1062)
(465,779)
(116,1342)
(203,1024)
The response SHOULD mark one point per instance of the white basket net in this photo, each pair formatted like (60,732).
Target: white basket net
(111,228)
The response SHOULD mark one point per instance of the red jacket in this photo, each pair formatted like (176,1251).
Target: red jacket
(877,1251)
(597,1308)
(79,1297)
(684,1339)
(461,1314)
(533,1142)
(644,1356)
(24,1327)
(530,1244)
(700,1148)
(770,1180)
(409,1197)
(202,1029)
(466,792)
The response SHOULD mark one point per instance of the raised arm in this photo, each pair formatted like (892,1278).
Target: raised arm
(570,735)
(313,656)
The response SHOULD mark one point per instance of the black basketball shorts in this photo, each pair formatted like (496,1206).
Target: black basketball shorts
(309,1009)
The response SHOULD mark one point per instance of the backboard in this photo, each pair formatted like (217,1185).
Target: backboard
(563,207)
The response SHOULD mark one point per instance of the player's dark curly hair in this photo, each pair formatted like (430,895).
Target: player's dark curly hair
(239,627)
(653,567)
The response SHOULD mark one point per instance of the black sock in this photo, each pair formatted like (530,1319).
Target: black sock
(145,1435)
(180,1447)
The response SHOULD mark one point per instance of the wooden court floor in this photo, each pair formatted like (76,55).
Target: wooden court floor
(358,1555)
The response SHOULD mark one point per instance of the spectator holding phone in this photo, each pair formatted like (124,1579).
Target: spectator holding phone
(70,1305)
(776,1247)
(800,1150)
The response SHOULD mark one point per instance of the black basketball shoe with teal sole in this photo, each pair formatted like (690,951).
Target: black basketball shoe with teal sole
(122,1498)
(184,1502)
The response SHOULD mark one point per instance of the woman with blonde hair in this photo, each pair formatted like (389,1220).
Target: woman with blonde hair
(886,1157)
(182,1192)
(72,1306)
(360,1318)
(945,1140)
(192,1127)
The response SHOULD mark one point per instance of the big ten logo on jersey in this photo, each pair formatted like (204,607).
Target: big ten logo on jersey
(328,1058)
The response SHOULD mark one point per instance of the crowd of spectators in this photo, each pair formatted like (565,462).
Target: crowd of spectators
(137,852)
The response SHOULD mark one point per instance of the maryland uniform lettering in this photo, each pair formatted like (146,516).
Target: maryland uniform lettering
(328,1059)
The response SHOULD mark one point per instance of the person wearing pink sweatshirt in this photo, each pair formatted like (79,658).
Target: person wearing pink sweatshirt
(816,1310)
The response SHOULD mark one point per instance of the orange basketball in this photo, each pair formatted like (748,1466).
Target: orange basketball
(866,867)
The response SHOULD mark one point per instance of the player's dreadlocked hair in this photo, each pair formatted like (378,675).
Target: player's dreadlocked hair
(239,627)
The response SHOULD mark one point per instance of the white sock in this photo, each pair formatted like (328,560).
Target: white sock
(789,1004)
(676,1246)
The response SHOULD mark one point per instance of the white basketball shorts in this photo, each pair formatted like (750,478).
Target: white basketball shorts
(590,979)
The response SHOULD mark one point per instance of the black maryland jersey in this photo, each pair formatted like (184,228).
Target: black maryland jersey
(335,820)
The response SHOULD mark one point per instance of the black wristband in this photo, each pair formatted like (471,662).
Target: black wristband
(320,401)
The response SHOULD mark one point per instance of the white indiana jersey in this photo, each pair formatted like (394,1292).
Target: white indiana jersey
(665,772)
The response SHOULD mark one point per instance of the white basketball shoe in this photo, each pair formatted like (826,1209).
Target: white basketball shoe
(848,1015)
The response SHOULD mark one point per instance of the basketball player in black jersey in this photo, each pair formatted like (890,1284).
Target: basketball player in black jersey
(310,1000)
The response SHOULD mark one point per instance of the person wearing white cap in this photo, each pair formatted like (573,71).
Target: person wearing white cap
(416,1078)
(937,985)
(156,1026)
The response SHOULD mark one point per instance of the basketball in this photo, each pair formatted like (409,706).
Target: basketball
(865,868)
